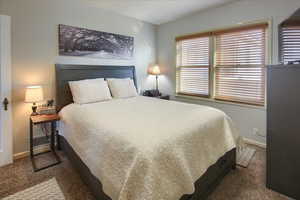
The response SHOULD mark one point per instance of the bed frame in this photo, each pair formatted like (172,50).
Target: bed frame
(64,73)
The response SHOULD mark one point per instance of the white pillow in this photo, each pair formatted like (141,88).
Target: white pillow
(89,91)
(122,88)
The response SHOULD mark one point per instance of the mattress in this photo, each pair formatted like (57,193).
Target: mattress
(147,148)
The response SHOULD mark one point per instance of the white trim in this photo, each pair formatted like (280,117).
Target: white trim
(40,149)
(180,96)
(6,146)
(253,142)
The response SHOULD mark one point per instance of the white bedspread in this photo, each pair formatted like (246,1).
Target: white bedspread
(145,148)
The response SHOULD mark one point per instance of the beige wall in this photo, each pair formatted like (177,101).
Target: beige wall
(246,118)
(35,48)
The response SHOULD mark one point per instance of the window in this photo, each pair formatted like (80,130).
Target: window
(289,43)
(193,66)
(239,64)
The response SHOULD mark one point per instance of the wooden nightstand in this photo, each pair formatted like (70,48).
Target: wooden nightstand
(40,119)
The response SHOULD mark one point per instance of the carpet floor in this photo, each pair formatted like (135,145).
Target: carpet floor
(240,184)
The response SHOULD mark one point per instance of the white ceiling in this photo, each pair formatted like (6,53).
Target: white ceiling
(156,11)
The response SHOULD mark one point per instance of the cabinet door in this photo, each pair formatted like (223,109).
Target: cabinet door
(283,125)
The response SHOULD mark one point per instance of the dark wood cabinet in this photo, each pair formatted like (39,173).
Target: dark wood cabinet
(283,129)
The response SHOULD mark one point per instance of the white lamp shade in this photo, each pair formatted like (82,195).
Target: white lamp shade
(155,70)
(34,94)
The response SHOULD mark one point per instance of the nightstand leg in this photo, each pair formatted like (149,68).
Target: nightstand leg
(31,138)
(58,141)
(53,133)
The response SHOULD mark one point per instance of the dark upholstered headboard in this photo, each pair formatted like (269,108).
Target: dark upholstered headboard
(66,73)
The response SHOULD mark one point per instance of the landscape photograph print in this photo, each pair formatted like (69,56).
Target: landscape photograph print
(74,41)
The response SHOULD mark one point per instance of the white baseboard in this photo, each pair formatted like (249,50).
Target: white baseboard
(40,149)
(253,142)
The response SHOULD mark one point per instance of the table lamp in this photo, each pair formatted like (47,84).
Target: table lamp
(33,95)
(155,71)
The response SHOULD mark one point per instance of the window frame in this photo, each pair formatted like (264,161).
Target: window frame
(212,70)
(178,67)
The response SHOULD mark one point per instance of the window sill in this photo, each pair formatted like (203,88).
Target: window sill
(180,96)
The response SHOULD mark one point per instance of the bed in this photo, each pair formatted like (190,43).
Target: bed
(130,149)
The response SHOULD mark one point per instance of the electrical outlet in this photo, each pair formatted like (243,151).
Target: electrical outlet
(256,132)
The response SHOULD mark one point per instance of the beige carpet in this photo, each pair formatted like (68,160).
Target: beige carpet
(240,184)
(48,190)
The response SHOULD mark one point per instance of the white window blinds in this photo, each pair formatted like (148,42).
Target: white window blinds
(193,61)
(290,43)
(240,65)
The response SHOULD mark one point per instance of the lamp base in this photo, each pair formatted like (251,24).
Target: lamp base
(156,82)
(34,108)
